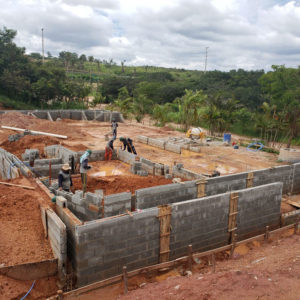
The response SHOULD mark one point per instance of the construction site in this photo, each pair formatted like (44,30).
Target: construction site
(184,218)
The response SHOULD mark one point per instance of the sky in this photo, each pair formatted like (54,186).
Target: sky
(247,34)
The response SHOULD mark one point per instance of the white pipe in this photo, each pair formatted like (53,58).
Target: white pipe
(36,132)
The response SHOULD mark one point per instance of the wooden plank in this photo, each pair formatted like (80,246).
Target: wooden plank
(95,285)
(31,271)
(250,180)
(232,216)
(18,185)
(294,203)
(201,188)
(164,215)
(209,252)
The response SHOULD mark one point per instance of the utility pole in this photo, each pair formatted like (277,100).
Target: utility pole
(206,50)
(43,54)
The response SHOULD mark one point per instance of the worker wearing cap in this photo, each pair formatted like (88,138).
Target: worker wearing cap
(64,178)
(127,143)
(84,167)
(109,149)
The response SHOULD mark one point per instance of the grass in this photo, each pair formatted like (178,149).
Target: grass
(7,102)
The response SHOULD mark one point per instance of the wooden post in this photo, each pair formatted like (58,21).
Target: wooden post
(201,188)
(232,217)
(102,204)
(296,226)
(164,215)
(190,257)
(233,245)
(60,295)
(125,279)
(250,180)
(213,262)
(267,233)
(153,171)
(50,173)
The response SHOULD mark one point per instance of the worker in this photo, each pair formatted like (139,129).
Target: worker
(127,143)
(64,178)
(84,167)
(109,149)
(114,126)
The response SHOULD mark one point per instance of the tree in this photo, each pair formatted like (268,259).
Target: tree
(82,58)
(189,107)
(282,89)
(91,58)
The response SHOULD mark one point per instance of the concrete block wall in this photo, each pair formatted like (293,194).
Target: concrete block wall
(79,205)
(57,234)
(149,166)
(117,204)
(290,217)
(11,166)
(165,194)
(204,222)
(44,170)
(58,151)
(257,208)
(200,222)
(99,115)
(126,156)
(186,174)
(71,222)
(99,249)
(173,147)
(103,247)
(142,139)
(275,174)
(89,207)
(223,184)
(45,162)
(296,179)
(156,143)
(98,155)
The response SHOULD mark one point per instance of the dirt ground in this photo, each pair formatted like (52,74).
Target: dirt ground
(21,230)
(114,177)
(22,238)
(11,289)
(225,159)
(90,134)
(258,270)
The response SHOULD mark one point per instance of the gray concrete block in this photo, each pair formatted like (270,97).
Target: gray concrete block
(173,148)
(142,173)
(156,143)
(142,139)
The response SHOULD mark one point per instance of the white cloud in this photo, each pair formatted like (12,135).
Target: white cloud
(174,33)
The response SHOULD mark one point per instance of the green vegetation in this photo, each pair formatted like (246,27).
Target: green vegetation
(252,103)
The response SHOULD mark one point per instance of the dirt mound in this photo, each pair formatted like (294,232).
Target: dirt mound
(21,229)
(29,142)
(16,119)
(120,183)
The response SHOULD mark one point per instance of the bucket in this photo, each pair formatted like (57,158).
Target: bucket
(227,137)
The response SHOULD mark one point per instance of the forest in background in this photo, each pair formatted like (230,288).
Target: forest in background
(253,103)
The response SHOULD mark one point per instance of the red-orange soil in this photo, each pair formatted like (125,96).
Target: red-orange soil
(120,183)
(21,230)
